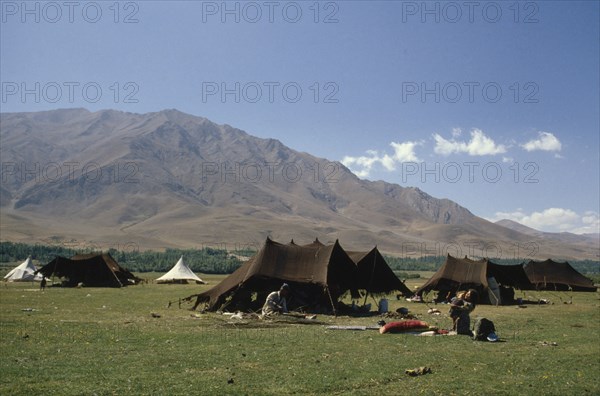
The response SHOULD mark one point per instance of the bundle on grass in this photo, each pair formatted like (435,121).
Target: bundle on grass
(404,326)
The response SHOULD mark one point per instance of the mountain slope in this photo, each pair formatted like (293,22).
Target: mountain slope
(582,241)
(167,179)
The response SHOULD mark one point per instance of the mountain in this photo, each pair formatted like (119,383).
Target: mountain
(513,225)
(583,241)
(169,179)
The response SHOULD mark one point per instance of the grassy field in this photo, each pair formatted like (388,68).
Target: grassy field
(97,341)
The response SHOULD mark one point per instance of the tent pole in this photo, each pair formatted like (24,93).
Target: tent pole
(54,269)
(110,269)
(375,301)
(115,275)
(370,279)
(331,301)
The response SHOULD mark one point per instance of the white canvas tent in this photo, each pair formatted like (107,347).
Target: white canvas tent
(24,272)
(180,273)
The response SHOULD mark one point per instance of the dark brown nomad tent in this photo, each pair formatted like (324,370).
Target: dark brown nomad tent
(509,275)
(375,275)
(552,275)
(315,244)
(457,274)
(316,275)
(482,275)
(93,270)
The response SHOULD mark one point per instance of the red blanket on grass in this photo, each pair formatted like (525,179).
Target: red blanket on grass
(404,326)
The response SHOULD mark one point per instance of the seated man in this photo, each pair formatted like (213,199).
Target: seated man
(276,303)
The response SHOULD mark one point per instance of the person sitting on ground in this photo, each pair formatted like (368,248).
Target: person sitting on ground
(460,308)
(276,302)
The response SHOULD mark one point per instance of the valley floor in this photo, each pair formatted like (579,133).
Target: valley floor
(106,341)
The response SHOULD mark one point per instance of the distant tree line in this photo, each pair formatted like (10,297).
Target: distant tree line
(206,260)
(425,263)
(587,267)
(220,261)
(406,275)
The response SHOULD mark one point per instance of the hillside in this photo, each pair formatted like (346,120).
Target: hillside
(169,179)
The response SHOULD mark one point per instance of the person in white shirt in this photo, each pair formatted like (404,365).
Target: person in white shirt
(276,302)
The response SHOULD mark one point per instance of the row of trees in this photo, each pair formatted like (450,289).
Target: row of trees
(206,260)
(218,261)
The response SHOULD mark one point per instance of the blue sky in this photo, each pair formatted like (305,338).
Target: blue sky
(495,106)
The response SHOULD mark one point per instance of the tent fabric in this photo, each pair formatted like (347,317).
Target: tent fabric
(315,244)
(509,275)
(375,275)
(180,272)
(494,294)
(95,270)
(482,275)
(552,275)
(24,272)
(457,273)
(326,270)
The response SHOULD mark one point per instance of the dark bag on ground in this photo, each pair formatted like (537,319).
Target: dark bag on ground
(482,329)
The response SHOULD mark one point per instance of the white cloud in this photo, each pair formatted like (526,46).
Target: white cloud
(363,165)
(590,217)
(388,162)
(557,218)
(362,161)
(508,160)
(446,147)
(546,141)
(591,224)
(480,144)
(362,173)
(405,152)
(456,132)
(554,220)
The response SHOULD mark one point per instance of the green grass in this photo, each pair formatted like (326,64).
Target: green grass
(104,342)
